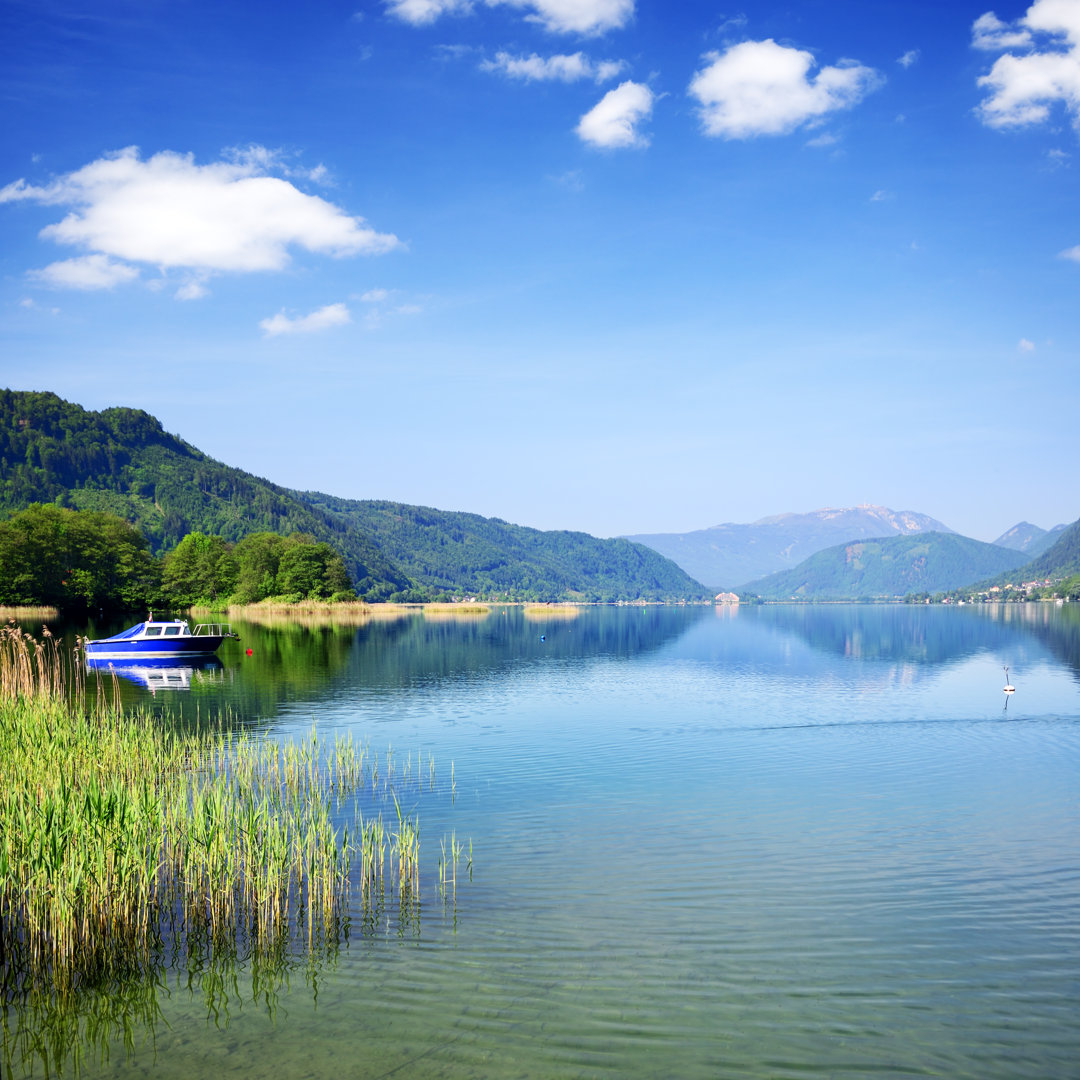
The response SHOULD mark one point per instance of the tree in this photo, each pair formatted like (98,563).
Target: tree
(74,560)
(311,570)
(200,568)
(257,558)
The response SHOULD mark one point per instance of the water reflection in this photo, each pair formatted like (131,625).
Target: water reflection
(160,674)
(54,1035)
(283,660)
(928,636)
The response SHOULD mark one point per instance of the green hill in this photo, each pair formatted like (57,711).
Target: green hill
(457,552)
(896,566)
(725,556)
(122,461)
(1060,560)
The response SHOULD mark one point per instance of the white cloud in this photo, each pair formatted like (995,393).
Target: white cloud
(323,319)
(736,22)
(613,121)
(990,33)
(1025,346)
(909,58)
(1072,253)
(575,16)
(374,296)
(1022,89)
(822,140)
(559,16)
(571,180)
(86,272)
(168,212)
(192,290)
(761,88)
(561,68)
(882,196)
(423,12)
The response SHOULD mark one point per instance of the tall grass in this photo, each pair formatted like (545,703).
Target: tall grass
(121,838)
(456,611)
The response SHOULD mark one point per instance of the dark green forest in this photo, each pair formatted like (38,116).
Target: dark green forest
(890,567)
(122,462)
(452,552)
(89,560)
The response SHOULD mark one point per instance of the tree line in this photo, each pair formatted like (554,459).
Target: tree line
(91,560)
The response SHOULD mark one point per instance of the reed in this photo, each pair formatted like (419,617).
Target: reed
(539,612)
(26,613)
(456,611)
(316,614)
(36,669)
(119,836)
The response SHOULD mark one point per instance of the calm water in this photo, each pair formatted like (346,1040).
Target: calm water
(771,842)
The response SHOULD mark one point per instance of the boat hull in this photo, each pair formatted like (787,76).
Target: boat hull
(155,649)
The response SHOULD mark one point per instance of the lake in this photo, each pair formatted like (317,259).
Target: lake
(781,841)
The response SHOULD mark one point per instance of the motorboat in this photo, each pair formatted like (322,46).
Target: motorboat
(160,639)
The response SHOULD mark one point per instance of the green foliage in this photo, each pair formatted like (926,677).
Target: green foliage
(75,561)
(924,563)
(201,569)
(299,565)
(81,560)
(208,570)
(465,554)
(1060,560)
(122,462)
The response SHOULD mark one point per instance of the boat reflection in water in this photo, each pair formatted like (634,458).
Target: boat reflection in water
(162,674)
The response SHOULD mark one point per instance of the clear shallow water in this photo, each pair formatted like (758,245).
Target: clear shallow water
(784,841)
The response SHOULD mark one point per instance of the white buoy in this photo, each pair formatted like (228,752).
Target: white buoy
(1009,688)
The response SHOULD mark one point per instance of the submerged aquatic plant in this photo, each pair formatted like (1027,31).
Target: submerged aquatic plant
(120,837)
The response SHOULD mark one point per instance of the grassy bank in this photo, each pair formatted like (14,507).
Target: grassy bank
(121,839)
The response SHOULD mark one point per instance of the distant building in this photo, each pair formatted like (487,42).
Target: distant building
(726,598)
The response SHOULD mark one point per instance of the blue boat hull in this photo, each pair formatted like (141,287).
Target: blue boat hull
(158,648)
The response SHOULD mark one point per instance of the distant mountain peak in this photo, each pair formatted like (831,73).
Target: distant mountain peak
(1029,539)
(730,555)
(898,521)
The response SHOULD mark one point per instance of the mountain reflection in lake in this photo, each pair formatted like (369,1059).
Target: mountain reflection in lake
(777,841)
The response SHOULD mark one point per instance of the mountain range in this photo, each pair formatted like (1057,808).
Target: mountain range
(729,556)
(122,461)
(889,567)
(1030,539)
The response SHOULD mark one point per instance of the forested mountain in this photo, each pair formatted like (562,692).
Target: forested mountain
(448,551)
(1060,560)
(726,556)
(1030,539)
(122,461)
(891,567)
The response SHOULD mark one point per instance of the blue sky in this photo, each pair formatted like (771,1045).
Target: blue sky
(609,265)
